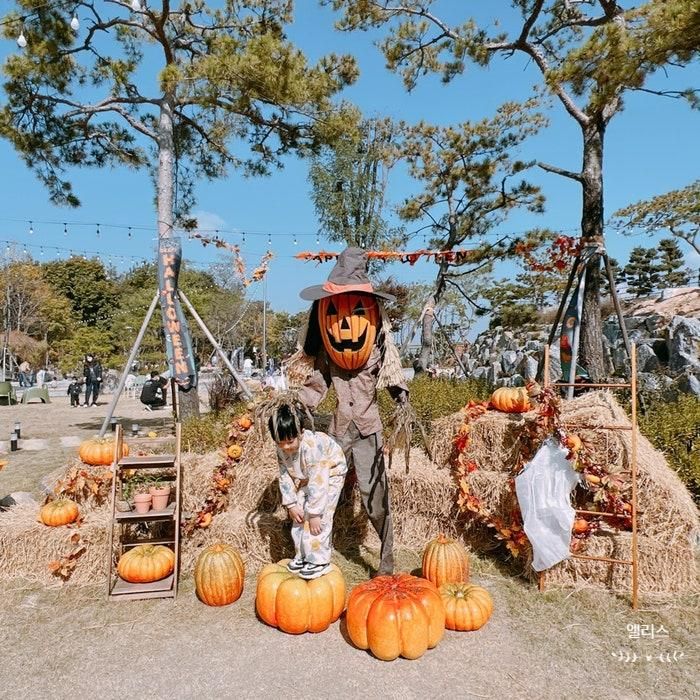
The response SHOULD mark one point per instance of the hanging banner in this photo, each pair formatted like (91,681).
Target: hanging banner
(178,343)
(569,332)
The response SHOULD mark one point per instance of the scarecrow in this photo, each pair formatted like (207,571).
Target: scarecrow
(348,344)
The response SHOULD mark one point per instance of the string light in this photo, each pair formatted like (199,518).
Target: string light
(65,229)
(75,22)
(98,230)
(295,239)
(31,229)
(129,231)
(269,240)
(318,242)
(21,39)
(243,241)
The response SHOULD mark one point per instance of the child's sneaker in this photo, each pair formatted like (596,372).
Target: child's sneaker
(311,571)
(295,565)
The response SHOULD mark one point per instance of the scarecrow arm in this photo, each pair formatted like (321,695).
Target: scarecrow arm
(316,386)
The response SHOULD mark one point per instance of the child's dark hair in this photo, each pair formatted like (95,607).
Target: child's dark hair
(284,423)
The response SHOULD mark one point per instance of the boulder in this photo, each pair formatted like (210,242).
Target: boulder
(647,361)
(509,361)
(684,344)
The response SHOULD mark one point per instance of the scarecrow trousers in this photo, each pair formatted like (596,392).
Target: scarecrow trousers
(365,454)
(316,549)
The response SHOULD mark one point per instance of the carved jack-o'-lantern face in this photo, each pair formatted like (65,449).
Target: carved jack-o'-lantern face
(348,324)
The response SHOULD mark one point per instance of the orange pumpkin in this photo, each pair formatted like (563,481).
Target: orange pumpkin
(100,451)
(510,400)
(219,575)
(580,525)
(467,608)
(573,442)
(394,616)
(146,563)
(445,561)
(234,451)
(60,512)
(348,324)
(287,601)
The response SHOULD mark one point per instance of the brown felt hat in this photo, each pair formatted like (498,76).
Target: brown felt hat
(348,275)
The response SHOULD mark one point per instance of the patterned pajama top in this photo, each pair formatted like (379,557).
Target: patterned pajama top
(318,460)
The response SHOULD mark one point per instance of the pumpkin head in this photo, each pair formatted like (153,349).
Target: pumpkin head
(511,400)
(99,451)
(348,323)
(219,575)
(287,601)
(60,512)
(146,563)
(394,616)
(445,561)
(467,607)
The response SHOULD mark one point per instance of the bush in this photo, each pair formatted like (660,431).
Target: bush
(210,431)
(674,428)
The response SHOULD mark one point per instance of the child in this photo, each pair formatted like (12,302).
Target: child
(74,391)
(312,472)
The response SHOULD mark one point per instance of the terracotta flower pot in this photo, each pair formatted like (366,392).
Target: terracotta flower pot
(142,502)
(160,497)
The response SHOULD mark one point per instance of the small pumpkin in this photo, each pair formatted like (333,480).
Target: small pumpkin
(97,451)
(467,607)
(62,511)
(219,575)
(445,561)
(288,602)
(234,451)
(152,434)
(573,442)
(348,323)
(394,616)
(146,563)
(245,422)
(580,525)
(511,400)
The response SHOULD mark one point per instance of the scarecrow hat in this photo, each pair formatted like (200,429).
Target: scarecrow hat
(348,275)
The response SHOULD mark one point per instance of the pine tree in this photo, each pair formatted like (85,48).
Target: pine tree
(641,271)
(618,274)
(670,265)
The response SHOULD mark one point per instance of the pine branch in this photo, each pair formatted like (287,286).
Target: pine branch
(560,171)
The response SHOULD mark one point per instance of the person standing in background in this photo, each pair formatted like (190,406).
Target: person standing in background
(25,374)
(92,371)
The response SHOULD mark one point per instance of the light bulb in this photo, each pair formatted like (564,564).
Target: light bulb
(31,229)
(65,229)
(21,40)
(75,23)
(295,240)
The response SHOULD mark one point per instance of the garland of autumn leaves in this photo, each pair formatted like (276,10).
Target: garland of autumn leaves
(217,499)
(604,485)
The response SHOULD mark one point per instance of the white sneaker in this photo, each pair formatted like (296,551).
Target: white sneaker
(311,571)
(295,565)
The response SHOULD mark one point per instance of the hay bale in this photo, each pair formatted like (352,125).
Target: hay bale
(27,546)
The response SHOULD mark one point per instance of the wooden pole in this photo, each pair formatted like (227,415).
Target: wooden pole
(618,308)
(635,562)
(246,391)
(132,356)
(564,297)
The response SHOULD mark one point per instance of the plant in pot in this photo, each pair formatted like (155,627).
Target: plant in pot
(160,494)
(136,491)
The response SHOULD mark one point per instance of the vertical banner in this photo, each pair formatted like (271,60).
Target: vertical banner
(178,343)
(568,342)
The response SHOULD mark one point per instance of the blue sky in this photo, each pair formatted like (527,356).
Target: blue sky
(651,147)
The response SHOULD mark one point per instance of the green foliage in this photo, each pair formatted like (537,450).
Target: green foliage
(676,212)
(209,432)
(86,339)
(670,266)
(512,315)
(641,272)
(86,285)
(674,428)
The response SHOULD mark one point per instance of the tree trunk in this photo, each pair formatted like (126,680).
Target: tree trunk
(591,338)
(188,401)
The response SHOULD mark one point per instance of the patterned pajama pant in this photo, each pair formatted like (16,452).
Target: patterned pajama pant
(316,549)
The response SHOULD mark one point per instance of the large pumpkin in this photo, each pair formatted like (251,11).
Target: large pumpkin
(219,575)
(100,451)
(445,561)
(146,563)
(348,324)
(511,400)
(467,607)
(60,512)
(287,601)
(393,616)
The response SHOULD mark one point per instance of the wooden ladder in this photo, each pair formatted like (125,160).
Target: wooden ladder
(133,529)
(632,386)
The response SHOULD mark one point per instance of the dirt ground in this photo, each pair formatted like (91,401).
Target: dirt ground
(64,642)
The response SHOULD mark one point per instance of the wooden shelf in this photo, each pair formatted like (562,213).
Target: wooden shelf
(147,462)
(133,516)
(155,589)
(135,541)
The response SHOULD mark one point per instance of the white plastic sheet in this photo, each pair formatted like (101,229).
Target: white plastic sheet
(544,491)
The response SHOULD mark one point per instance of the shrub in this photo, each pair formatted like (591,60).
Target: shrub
(223,392)
(674,428)
(208,432)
